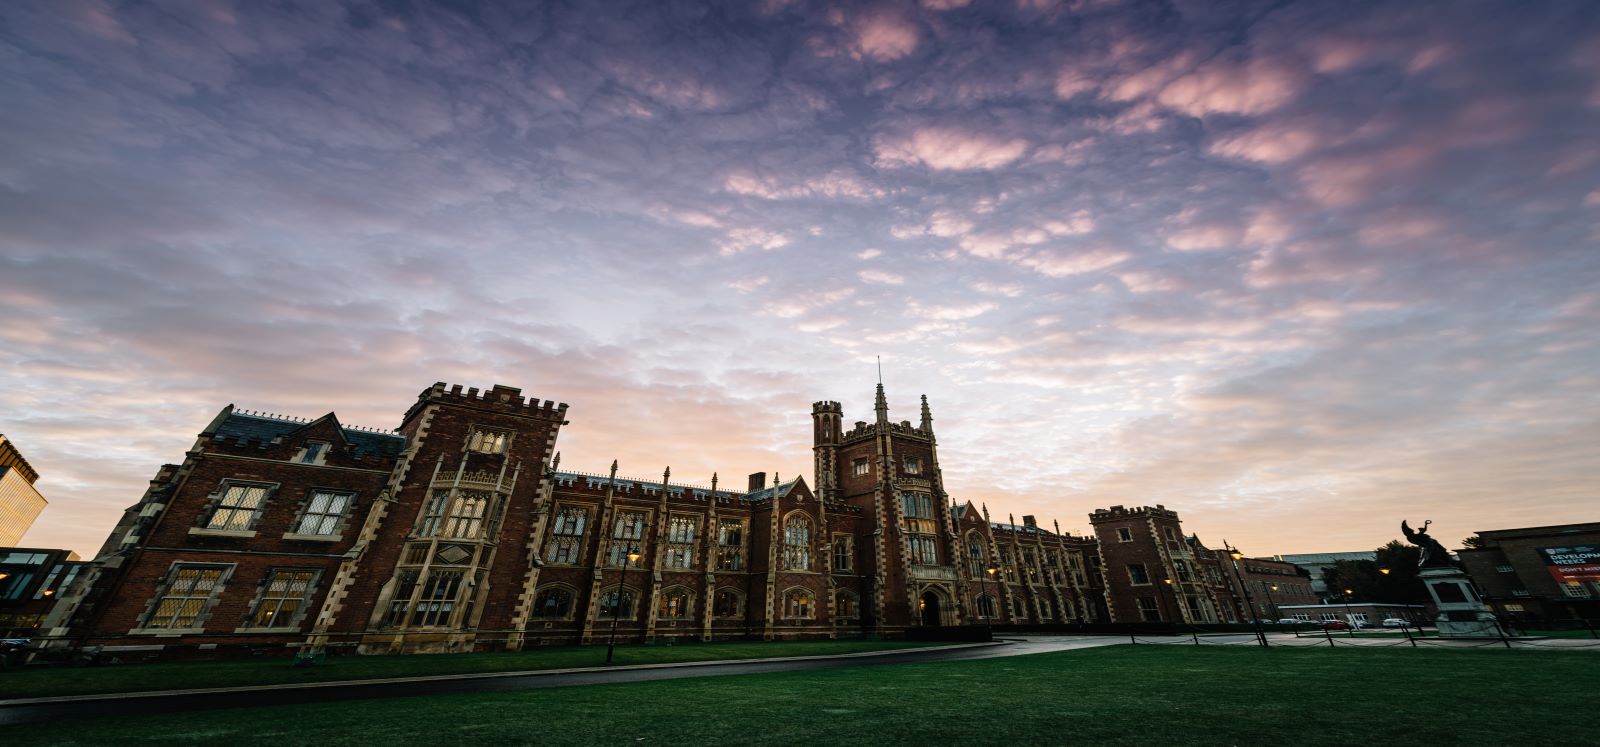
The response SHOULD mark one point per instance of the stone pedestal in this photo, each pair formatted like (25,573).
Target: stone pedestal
(1461,613)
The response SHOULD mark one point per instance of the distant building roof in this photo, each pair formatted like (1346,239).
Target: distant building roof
(265,428)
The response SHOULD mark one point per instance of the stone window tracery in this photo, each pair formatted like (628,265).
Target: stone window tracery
(730,545)
(566,535)
(553,603)
(797,543)
(799,604)
(674,604)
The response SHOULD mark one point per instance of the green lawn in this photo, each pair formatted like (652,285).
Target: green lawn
(31,682)
(1156,695)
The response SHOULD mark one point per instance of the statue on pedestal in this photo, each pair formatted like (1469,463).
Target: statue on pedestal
(1433,554)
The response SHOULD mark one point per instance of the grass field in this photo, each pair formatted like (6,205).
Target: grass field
(40,682)
(1154,695)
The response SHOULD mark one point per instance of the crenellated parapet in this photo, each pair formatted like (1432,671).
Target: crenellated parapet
(502,399)
(1138,512)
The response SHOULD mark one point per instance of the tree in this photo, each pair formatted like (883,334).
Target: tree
(1475,542)
(1368,581)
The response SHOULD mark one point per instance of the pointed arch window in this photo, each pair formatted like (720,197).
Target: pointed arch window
(846,605)
(615,603)
(987,609)
(674,604)
(553,603)
(797,543)
(727,604)
(977,557)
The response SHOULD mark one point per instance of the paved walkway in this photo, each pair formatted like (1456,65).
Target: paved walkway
(1339,640)
(29,710)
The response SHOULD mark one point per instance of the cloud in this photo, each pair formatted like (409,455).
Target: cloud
(945,149)
(880,277)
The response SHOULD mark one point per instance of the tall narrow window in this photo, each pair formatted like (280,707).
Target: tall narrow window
(322,514)
(627,533)
(843,554)
(1148,609)
(238,507)
(977,564)
(184,600)
(680,542)
(1030,562)
(433,514)
(797,543)
(730,545)
(286,593)
(466,515)
(917,509)
(438,599)
(1137,574)
(860,467)
(913,466)
(566,535)
(986,607)
(405,585)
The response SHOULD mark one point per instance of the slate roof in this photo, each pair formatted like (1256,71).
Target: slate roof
(264,429)
(765,493)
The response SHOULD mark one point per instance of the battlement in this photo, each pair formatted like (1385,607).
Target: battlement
(826,406)
(864,429)
(1139,512)
(508,400)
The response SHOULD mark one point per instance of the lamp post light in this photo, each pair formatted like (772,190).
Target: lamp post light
(1272,605)
(1347,614)
(992,570)
(632,556)
(1249,602)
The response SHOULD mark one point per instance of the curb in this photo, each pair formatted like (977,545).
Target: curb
(467,676)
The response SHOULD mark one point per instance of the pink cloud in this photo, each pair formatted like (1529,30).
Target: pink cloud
(948,149)
(883,37)
(1254,87)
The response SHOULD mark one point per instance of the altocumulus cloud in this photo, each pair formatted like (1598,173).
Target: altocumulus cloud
(1262,262)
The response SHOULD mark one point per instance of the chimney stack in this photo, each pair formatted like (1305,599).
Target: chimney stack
(758,481)
(1028,521)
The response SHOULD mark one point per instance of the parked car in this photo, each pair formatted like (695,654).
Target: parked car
(1395,622)
(1291,621)
(1335,625)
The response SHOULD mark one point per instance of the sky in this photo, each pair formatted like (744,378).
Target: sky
(1297,270)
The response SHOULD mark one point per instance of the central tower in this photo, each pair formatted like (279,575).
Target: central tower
(891,472)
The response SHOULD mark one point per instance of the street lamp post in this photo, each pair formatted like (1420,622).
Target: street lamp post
(616,604)
(1347,614)
(993,569)
(1249,602)
(1272,605)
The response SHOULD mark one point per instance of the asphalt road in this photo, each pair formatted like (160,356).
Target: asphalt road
(23,711)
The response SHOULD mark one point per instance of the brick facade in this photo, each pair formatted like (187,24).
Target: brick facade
(460,531)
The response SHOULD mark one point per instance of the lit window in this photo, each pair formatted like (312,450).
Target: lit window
(626,531)
(181,605)
(553,603)
(238,507)
(798,604)
(486,441)
(465,519)
(1575,589)
(286,593)
(860,467)
(797,543)
(674,604)
(323,513)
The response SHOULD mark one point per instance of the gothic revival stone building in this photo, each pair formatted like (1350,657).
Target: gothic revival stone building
(460,531)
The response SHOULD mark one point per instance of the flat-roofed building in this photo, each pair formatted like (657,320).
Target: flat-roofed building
(20,502)
(1538,573)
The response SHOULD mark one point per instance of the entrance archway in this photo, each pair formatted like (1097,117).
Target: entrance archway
(932,609)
